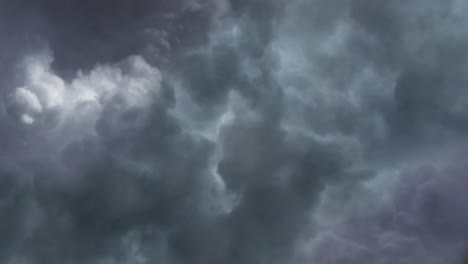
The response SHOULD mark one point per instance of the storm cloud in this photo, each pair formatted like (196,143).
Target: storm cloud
(217,131)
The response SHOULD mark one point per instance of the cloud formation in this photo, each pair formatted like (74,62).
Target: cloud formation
(417,218)
(216,131)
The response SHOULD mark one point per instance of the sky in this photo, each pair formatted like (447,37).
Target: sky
(233,131)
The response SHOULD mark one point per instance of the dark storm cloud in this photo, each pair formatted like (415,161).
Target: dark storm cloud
(410,53)
(220,138)
(83,33)
(421,40)
(422,219)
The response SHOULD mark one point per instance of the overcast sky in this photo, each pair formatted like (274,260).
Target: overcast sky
(233,131)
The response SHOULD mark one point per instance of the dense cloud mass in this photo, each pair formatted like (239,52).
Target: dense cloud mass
(233,131)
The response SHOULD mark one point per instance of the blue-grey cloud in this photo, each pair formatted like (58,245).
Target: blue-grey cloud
(211,131)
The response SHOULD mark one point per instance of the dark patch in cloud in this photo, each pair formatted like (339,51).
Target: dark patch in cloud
(85,33)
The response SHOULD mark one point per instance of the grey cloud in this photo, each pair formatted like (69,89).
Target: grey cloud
(220,131)
(422,221)
(84,33)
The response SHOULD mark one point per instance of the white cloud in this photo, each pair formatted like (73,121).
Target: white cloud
(27,119)
(28,99)
(44,83)
(76,105)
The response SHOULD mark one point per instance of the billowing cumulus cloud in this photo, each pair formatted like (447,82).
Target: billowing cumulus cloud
(233,131)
